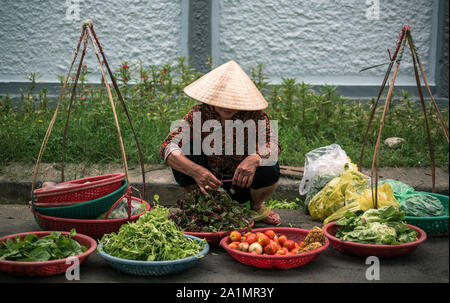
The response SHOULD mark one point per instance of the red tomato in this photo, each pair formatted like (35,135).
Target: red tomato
(277,245)
(248,234)
(289,244)
(263,240)
(270,233)
(282,239)
(275,238)
(234,245)
(270,249)
(251,239)
(235,236)
(285,250)
(244,239)
(294,251)
(280,252)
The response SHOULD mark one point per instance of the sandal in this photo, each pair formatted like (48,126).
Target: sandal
(272,218)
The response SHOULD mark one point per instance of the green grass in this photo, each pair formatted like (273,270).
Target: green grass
(307,119)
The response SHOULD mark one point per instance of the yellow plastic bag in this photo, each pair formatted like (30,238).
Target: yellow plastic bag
(339,192)
(385,198)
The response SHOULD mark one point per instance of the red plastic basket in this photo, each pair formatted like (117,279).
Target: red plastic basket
(93,228)
(278,262)
(97,187)
(366,250)
(214,238)
(46,268)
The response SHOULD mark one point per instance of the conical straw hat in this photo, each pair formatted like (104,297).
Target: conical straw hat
(227,86)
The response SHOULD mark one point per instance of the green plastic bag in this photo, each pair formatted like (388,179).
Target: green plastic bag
(421,205)
(398,187)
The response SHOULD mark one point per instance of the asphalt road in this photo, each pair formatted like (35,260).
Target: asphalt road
(427,264)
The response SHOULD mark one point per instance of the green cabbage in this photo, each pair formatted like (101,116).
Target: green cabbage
(375,226)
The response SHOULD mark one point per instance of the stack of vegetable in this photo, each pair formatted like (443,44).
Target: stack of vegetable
(270,243)
(415,204)
(217,212)
(32,248)
(154,237)
(375,226)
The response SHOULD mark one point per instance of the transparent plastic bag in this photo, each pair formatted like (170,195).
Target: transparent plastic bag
(421,205)
(328,160)
(121,209)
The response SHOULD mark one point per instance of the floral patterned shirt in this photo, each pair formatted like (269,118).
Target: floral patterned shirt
(225,162)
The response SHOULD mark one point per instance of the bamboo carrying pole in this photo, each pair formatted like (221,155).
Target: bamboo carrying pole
(405,37)
(87,33)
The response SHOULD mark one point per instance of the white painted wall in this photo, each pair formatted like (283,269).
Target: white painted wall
(36,36)
(322,41)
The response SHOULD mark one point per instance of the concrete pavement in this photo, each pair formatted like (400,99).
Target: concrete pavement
(15,180)
(429,263)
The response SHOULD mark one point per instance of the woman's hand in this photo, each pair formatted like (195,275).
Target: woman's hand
(243,176)
(205,179)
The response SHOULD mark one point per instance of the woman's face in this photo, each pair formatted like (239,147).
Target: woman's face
(225,113)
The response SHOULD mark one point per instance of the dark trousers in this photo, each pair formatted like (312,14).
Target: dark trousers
(264,176)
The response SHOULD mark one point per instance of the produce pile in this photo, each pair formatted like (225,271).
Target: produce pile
(153,237)
(375,226)
(32,248)
(421,205)
(272,244)
(217,212)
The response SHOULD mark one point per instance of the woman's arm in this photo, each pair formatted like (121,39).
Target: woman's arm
(202,176)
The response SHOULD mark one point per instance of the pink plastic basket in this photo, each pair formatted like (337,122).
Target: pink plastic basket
(46,268)
(272,261)
(97,187)
(366,250)
(93,228)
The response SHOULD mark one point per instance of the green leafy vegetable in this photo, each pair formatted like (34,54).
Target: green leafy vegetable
(216,212)
(153,237)
(375,226)
(32,248)
(421,205)
(284,204)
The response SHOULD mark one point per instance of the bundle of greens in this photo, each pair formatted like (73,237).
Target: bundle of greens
(421,205)
(217,212)
(32,248)
(318,183)
(375,226)
(153,237)
(284,204)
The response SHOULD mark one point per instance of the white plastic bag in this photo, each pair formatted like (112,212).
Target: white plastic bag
(328,160)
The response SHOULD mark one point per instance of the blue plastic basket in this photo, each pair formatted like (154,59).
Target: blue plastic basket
(154,268)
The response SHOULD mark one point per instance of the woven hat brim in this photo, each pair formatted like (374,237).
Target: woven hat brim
(227,86)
